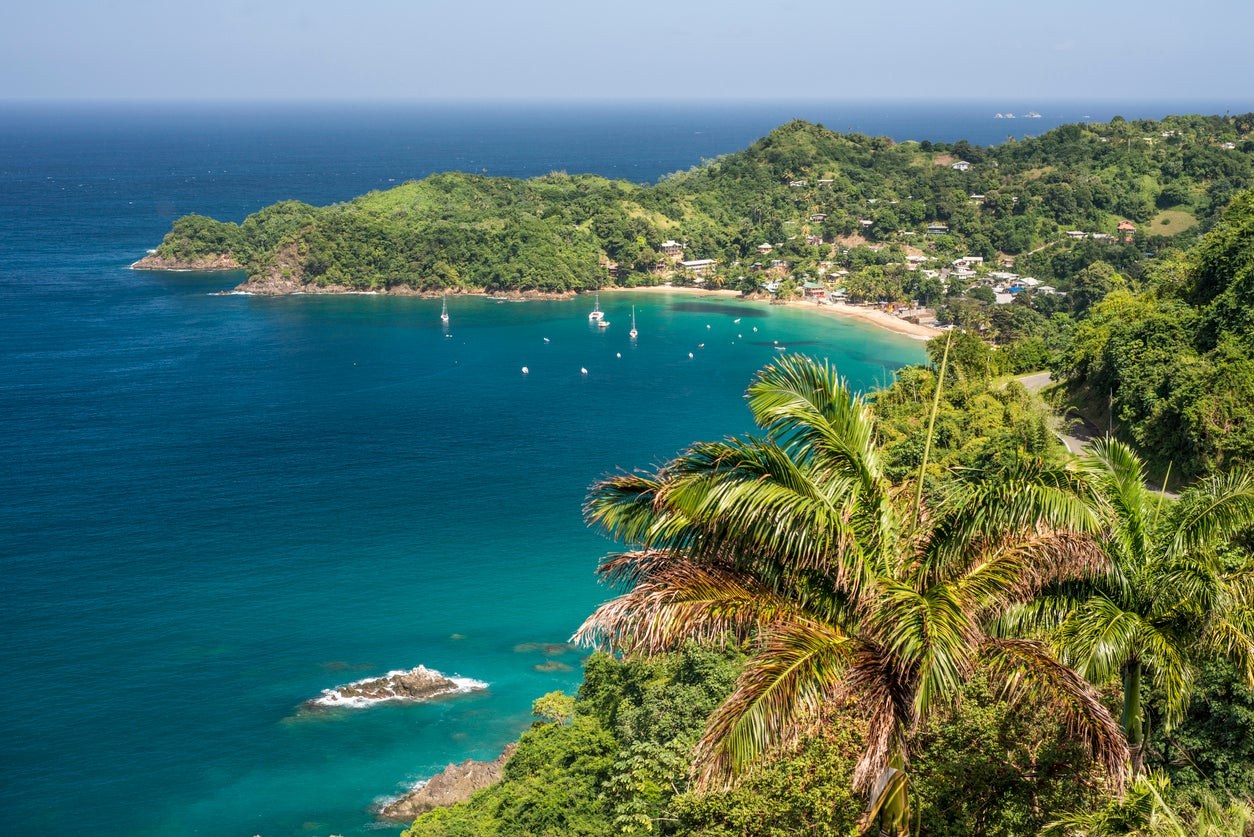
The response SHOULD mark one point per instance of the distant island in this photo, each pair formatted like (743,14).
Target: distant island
(801,212)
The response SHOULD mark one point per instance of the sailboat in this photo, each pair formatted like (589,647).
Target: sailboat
(444,311)
(596,314)
(633,331)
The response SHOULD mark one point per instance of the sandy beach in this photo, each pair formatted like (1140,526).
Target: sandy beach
(873,316)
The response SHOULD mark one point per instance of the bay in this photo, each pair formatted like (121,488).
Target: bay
(214,507)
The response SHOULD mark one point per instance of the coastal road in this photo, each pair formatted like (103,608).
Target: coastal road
(1075,434)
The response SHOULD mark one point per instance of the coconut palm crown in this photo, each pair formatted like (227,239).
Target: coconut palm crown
(842,585)
(1168,600)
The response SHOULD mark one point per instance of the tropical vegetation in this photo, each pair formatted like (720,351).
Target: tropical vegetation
(819,200)
(914,602)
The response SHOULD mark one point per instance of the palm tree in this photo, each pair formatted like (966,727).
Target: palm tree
(1149,809)
(1168,600)
(841,584)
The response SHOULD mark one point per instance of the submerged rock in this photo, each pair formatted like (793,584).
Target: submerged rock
(456,783)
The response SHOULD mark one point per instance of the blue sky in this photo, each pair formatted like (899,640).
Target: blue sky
(644,50)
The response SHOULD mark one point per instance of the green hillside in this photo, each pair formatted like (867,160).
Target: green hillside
(808,192)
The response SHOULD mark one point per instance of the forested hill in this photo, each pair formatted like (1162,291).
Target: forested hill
(808,192)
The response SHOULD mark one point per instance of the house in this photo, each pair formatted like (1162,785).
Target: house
(673,250)
(698,267)
(797,184)
(819,217)
(1077,234)
(826,182)
(938,229)
(1126,230)
(961,165)
(764,248)
(975,198)
(865,222)
(1228,146)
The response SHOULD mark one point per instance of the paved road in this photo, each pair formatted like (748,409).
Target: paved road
(1075,434)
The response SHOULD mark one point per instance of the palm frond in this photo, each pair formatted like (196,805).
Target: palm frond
(1232,636)
(626,508)
(1217,508)
(806,406)
(931,632)
(1016,570)
(1170,670)
(681,601)
(1027,502)
(1099,637)
(1119,475)
(797,666)
(1025,664)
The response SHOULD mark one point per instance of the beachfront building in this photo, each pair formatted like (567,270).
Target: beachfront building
(698,267)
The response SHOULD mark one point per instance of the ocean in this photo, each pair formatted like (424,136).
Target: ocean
(214,507)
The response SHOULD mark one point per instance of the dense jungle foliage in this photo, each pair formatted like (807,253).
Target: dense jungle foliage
(620,766)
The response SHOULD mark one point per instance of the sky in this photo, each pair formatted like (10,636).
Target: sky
(681,50)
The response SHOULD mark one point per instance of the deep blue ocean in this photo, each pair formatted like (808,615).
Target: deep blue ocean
(214,507)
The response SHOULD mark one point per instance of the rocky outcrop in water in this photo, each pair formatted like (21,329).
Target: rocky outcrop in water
(419,683)
(457,783)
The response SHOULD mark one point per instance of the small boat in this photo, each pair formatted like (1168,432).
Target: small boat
(444,311)
(633,331)
(736,320)
(596,314)
(603,323)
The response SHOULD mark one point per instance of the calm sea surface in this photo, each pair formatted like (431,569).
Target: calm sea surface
(214,507)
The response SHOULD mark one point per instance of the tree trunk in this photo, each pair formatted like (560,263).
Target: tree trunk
(1132,728)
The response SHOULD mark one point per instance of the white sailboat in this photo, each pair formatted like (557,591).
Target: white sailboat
(633,331)
(444,311)
(596,314)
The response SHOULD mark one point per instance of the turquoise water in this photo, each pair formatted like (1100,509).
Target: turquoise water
(237,502)
(216,506)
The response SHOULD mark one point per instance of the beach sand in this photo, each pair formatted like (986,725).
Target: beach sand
(873,316)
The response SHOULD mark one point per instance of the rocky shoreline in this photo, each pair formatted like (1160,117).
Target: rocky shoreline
(456,783)
(279,284)
(209,263)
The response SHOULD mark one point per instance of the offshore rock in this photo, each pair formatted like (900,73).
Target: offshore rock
(419,683)
(457,783)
